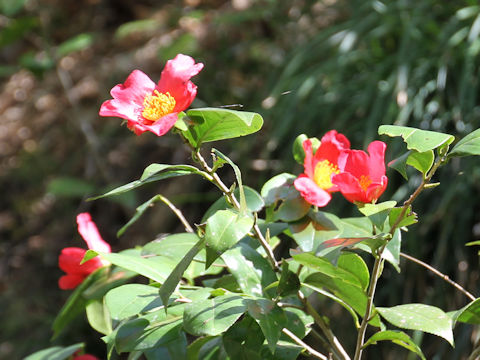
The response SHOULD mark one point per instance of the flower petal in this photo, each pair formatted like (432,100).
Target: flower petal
(175,79)
(70,281)
(70,258)
(349,187)
(376,161)
(89,232)
(375,190)
(311,192)
(308,163)
(331,145)
(159,127)
(354,162)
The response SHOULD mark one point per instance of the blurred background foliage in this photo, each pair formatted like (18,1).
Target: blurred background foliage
(306,66)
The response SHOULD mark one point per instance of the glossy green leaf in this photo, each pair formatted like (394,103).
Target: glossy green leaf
(283,351)
(422,161)
(152,330)
(153,268)
(132,299)
(377,213)
(397,337)
(280,187)
(212,124)
(168,287)
(223,230)
(408,218)
(421,317)
(253,199)
(355,265)
(252,272)
(416,139)
(152,173)
(289,283)
(292,209)
(392,250)
(243,340)
(193,350)
(469,314)
(213,316)
(297,149)
(172,350)
(55,353)
(99,317)
(270,317)
(469,145)
(400,164)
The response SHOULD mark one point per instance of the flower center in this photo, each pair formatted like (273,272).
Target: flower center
(323,174)
(157,105)
(365,182)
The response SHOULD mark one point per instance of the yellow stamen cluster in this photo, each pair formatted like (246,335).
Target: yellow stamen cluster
(323,174)
(365,182)
(157,105)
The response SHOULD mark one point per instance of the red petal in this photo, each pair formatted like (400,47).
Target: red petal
(159,127)
(70,258)
(356,162)
(331,145)
(85,357)
(70,281)
(175,79)
(376,162)
(311,192)
(89,232)
(375,190)
(349,187)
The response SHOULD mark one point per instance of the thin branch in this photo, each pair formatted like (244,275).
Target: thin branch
(309,349)
(439,274)
(177,212)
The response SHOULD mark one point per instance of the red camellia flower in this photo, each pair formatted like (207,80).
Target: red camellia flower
(363,178)
(84,357)
(315,184)
(154,107)
(70,258)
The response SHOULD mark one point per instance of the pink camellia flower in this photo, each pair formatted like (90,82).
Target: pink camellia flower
(154,107)
(70,258)
(363,178)
(315,184)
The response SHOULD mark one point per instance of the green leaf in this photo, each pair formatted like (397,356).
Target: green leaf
(252,272)
(392,250)
(193,350)
(253,199)
(416,139)
(238,176)
(469,145)
(270,317)
(377,213)
(279,187)
(152,173)
(213,316)
(408,217)
(139,212)
(285,350)
(168,287)
(98,317)
(292,209)
(155,329)
(397,337)
(421,317)
(297,150)
(289,283)
(55,353)
(469,314)
(422,161)
(223,230)
(211,124)
(400,164)
(75,303)
(243,340)
(355,265)
(156,269)
(132,299)
(76,43)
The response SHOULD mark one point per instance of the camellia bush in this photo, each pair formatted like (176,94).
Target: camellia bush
(240,282)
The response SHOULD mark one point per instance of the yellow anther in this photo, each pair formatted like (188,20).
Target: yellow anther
(323,174)
(365,182)
(157,105)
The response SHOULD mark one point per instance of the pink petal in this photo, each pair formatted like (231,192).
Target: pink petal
(376,163)
(355,162)
(175,79)
(311,192)
(159,127)
(85,357)
(89,232)
(331,145)
(375,190)
(70,258)
(70,281)
(308,164)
